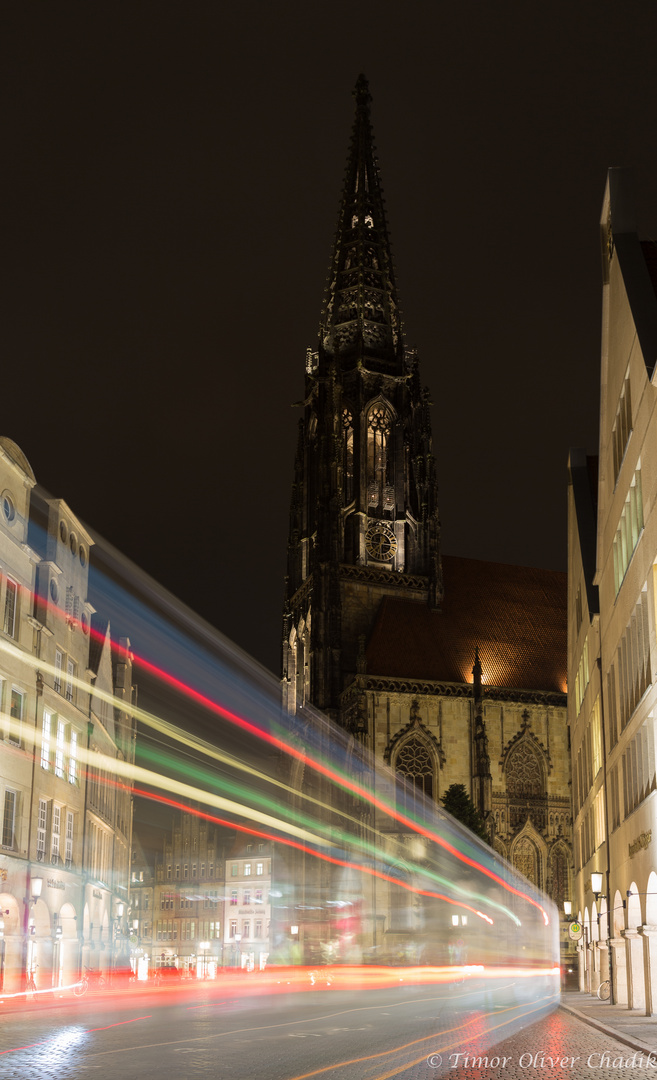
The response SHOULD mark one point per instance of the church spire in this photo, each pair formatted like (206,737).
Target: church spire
(361,320)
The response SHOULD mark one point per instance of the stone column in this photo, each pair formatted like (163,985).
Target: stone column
(603,961)
(594,957)
(636,997)
(649,935)
(581,966)
(618,970)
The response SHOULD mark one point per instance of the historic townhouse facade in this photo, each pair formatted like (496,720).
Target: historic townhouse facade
(611,609)
(51,694)
(177,899)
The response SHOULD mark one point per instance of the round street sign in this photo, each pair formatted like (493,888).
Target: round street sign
(575,931)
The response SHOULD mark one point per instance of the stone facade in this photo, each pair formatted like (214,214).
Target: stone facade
(611,639)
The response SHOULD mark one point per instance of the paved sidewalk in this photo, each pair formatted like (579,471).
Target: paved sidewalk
(629,1026)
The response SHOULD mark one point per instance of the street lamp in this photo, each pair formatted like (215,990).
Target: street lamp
(36,886)
(204,946)
(596,885)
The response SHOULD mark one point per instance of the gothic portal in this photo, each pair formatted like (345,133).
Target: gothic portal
(381,632)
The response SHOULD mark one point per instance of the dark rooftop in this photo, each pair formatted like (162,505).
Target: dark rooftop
(514,614)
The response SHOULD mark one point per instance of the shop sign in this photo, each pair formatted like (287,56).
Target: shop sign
(55,883)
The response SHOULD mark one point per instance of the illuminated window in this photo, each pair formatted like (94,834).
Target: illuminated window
(11,601)
(259,868)
(247,869)
(59,748)
(380,481)
(45,739)
(347,462)
(73,758)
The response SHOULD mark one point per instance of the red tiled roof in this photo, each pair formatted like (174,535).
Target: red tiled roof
(514,614)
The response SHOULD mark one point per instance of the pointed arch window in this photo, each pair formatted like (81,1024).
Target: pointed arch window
(347,455)
(414,762)
(380,473)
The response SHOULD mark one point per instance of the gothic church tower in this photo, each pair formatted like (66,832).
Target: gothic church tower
(364,518)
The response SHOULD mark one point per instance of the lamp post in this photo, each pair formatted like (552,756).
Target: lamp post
(238,938)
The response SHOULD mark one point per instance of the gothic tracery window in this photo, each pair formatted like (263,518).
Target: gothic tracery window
(347,455)
(415,765)
(525,859)
(380,478)
(524,772)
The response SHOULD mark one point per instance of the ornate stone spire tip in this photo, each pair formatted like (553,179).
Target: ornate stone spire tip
(362,92)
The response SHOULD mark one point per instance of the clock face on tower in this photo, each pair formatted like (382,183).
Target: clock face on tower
(380,541)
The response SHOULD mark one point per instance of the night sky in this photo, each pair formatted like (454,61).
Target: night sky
(172,175)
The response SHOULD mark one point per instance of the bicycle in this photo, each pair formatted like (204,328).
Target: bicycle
(88,979)
(604,990)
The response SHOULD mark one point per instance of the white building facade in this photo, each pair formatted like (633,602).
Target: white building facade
(612,642)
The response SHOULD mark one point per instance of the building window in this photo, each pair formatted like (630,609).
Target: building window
(215,930)
(194,870)
(178,871)
(203,870)
(9,820)
(73,758)
(380,483)
(70,675)
(11,604)
(259,868)
(233,898)
(258,896)
(41,830)
(233,870)
(211,870)
(57,684)
(622,428)
(16,713)
(169,871)
(59,748)
(233,927)
(415,765)
(247,897)
(246,929)
(68,853)
(247,869)
(56,832)
(258,928)
(186,871)
(629,529)
(347,456)
(46,724)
